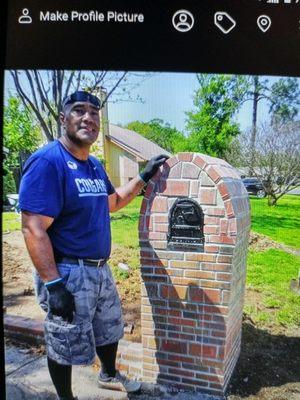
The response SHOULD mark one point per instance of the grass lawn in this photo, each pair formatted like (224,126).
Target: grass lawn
(124,224)
(11,221)
(268,279)
(281,223)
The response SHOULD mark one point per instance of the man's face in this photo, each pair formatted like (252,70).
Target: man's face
(81,122)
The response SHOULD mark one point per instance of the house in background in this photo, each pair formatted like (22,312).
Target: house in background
(125,152)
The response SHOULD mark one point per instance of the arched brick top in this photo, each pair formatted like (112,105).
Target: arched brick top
(192,298)
(215,184)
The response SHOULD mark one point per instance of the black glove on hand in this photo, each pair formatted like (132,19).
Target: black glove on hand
(152,167)
(61,301)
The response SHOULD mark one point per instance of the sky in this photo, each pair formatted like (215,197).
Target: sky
(167,96)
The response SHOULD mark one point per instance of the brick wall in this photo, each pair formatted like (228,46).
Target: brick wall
(192,300)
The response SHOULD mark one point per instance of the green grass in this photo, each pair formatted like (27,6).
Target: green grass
(281,223)
(270,273)
(11,221)
(124,224)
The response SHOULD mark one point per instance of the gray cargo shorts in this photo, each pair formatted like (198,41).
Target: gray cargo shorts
(97,319)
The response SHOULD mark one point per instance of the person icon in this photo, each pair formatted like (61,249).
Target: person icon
(183,20)
(183,24)
(25,18)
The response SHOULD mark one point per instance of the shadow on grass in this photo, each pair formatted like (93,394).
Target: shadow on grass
(266,360)
(272,223)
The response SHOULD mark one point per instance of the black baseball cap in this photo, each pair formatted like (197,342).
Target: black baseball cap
(80,95)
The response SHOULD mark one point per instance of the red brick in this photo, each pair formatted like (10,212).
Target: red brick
(144,206)
(185,281)
(202,350)
(200,257)
(224,277)
(181,321)
(159,204)
(211,249)
(196,294)
(180,358)
(185,156)
(149,190)
(173,292)
(181,372)
(214,284)
(160,219)
(184,264)
(215,211)
(229,208)
(213,174)
(224,259)
(175,188)
(213,296)
(199,274)
(211,378)
(161,227)
(209,229)
(173,346)
(223,189)
(199,161)
(216,267)
(172,161)
(224,225)
(159,263)
(157,236)
(208,196)
(221,239)
(211,220)
(232,226)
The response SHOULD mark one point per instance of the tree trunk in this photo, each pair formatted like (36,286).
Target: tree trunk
(272,200)
(254,122)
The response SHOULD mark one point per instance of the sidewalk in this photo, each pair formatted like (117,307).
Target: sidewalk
(27,378)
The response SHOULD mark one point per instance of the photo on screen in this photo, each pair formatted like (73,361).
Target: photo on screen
(251,122)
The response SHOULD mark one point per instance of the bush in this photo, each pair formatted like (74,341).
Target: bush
(9,185)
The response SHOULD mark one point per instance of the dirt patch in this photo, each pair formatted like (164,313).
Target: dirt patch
(18,291)
(258,242)
(269,364)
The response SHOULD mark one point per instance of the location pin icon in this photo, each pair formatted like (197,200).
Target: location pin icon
(264,23)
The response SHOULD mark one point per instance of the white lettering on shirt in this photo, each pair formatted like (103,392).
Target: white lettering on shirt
(91,187)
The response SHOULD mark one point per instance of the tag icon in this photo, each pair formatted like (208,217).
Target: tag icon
(264,23)
(224,21)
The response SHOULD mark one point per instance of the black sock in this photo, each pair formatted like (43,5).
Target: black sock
(107,355)
(61,376)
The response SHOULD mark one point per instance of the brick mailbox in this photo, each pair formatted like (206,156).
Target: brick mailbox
(193,229)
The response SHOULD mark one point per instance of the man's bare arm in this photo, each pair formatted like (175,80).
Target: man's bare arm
(125,194)
(128,192)
(34,228)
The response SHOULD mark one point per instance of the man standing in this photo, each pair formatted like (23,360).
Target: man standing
(65,198)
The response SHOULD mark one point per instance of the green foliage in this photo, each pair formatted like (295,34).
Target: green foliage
(280,223)
(160,133)
(21,135)
(211,124)
(284,100)
(9,185)
(20,131)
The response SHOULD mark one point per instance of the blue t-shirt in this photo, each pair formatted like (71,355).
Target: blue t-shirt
(74,193)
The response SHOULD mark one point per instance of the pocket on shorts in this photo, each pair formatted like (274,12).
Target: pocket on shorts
(68,273)
(69,343)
